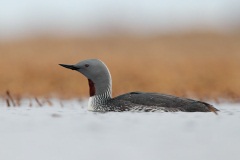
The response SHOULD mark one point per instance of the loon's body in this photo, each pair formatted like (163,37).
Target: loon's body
(100,85)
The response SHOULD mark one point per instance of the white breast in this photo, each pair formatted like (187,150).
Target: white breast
(90,104)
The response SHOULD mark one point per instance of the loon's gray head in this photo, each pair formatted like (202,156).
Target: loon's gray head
(97,74)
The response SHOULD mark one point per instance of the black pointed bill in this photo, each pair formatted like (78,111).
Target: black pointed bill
(69,66)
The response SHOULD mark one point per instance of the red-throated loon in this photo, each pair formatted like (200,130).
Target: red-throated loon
(100,85)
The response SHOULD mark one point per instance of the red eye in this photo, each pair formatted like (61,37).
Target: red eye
(86,65)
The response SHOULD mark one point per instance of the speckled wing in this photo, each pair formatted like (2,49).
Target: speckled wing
(168,102)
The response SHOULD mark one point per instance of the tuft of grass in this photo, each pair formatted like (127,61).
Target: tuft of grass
(8,103)
(48,102)
(38,102)
(10,99)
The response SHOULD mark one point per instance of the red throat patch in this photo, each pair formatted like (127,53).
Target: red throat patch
(91,88)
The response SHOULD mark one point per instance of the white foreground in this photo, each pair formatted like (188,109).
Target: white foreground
(70,132)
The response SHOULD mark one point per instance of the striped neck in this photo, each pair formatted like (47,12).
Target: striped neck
(101,83)
(100,89)
(98,102)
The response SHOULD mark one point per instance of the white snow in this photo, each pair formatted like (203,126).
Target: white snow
(70,132)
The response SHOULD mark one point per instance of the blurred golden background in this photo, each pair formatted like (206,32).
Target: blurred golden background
(189,49)
(192,65)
